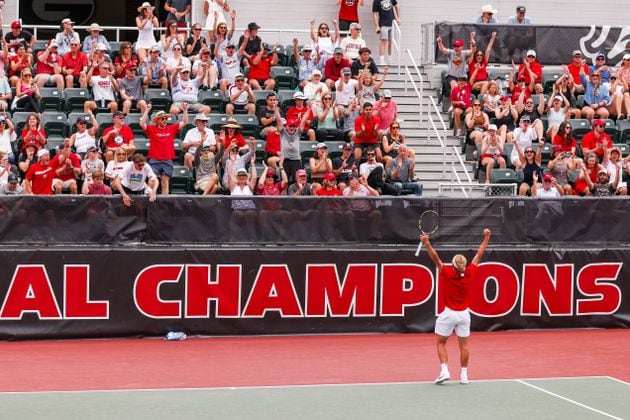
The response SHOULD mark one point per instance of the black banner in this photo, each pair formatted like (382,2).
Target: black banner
(224,220)
(96,292)
(553,44)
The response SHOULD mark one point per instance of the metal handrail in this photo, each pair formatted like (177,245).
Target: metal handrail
(419,92)
(397,41)
(461,163)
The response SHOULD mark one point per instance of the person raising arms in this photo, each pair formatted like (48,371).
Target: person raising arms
(455,316)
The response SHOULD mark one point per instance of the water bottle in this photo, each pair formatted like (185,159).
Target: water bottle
(175,336)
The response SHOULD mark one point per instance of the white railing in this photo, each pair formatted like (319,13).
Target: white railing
(397,42)
(409,78)
(474,189)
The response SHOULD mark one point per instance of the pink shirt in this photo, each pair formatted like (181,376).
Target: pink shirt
(386,114)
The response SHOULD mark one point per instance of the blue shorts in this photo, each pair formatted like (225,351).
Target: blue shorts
(162,167)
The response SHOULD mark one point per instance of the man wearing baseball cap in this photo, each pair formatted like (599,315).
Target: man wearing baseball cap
(597,141)
(66,36)
(519,18)
(333,69)
(17,36)
(162,142)
(104,88)
(550,189)
(457,64)
(603,188)
(132,89)
(48,67)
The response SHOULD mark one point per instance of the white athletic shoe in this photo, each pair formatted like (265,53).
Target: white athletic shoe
(444,376)
(463,380)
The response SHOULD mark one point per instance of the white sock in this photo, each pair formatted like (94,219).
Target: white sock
(444,367)
(464,371)
(381,58)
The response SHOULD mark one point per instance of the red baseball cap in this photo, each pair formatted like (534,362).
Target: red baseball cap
(330,176)
(16,24)
(458,43)
(547,177)
(599,122)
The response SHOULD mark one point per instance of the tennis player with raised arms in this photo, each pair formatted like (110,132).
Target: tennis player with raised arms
(455,317)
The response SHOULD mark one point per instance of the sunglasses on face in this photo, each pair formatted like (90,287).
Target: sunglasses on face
(395,127)
(529,151)
(370,154)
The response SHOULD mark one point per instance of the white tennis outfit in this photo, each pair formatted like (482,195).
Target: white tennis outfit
(450,320)
(214,7)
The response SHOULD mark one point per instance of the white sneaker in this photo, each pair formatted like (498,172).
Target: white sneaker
(381,60)
(444,376)
(463,380)
(459,133)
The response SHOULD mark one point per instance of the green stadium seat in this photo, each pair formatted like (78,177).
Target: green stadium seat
(182,181)
(52,99)
(160,99)
(250,124)
(55,123)
(75,98)
(284,76)
(215,99)
(580,127)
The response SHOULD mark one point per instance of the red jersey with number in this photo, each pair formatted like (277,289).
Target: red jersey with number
(162,141)
(348,10)
(41,178)
(456,286)
(124,136)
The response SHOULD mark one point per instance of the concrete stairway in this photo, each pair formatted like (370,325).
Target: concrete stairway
(429,156)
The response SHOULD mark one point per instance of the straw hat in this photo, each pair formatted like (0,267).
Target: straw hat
(160,114)
(231,123)
(145,5)
(94,27)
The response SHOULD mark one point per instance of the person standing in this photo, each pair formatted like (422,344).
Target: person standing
(457,280)
(384,12)
(348,13)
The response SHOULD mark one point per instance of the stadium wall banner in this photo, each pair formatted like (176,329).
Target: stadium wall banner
(553,44)
(135,291)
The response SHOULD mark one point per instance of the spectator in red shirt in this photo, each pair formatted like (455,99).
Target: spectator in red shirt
(574,68)
(267,184)
(532,71)
(33,132)
(456,280)
(48,67)
(97,186)
(40,175)
(367,135)
(162,143)
(297,111)
(118,135)
(460,101)
(597,141)
(17,63)
(348,13)
(260,67)
(333,67)
(74,66)
(67,167)
(329,189)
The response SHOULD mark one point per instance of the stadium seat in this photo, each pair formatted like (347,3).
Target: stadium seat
(160,99)
(285,99)
(580,127)
(19,120)
(546,153)
(52,99)
(307,149)
(611,129)
(215,99)
(55,123)
(104,120)
(536,99)
(625,148)
(503,176)
(283,55)
(142,145)
(216,121)
(250,124)
(75,98)
(335,148)
(260,150)
(284,76)
(182,181)
(549,77)
(623,126)
(133,121)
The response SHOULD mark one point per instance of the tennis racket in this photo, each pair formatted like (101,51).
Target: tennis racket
(428,224)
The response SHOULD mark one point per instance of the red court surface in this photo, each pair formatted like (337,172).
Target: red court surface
(295,360)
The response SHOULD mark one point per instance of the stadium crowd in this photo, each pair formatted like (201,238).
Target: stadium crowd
(222,111)
(564,132)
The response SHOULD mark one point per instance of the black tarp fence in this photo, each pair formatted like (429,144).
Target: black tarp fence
(553,43)
(224,220)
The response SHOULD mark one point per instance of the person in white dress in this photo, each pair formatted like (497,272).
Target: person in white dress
(209,9)
(324,39)
(146,22)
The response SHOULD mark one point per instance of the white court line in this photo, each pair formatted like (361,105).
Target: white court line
(236,388)
(618,380)
(569,400)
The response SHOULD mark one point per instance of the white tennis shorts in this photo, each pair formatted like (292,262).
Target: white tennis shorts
(450,320)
